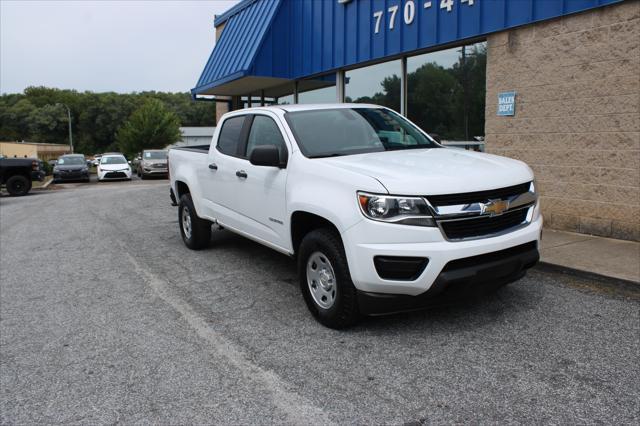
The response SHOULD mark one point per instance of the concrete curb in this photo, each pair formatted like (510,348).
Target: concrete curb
(629,285)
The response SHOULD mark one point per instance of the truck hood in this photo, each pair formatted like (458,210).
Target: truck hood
(436,171)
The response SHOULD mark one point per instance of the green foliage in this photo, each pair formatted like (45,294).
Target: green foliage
(151,126)
(46,167)
(38,116)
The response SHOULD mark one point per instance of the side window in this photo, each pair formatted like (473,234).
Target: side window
(265,131)
(229,138)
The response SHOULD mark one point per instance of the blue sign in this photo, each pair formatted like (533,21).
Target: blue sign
(507,103)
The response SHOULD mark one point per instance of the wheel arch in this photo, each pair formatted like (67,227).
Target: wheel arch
(303,222)
(181,189)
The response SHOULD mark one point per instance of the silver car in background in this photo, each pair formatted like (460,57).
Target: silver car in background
(153,162)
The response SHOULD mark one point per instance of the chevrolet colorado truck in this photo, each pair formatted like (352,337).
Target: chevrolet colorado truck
(380,217)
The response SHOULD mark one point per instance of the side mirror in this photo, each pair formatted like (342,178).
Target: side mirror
(129,161)
(266,155)
(436,137)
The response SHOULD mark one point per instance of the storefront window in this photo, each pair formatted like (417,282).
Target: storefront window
(319,90)
(285,100)
(446,91)
(377,84)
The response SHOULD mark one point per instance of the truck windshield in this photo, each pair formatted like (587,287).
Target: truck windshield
(346,131)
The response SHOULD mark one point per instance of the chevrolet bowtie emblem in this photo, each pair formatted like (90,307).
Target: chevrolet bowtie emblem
(494,207)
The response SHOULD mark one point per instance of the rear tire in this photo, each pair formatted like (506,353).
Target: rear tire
(196,232)
(325,280)
(18,185)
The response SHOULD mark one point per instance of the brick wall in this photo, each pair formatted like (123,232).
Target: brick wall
(577,120)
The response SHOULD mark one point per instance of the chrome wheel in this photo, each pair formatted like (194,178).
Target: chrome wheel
(321,280)
(186,222)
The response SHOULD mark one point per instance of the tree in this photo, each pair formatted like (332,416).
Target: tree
(151,126)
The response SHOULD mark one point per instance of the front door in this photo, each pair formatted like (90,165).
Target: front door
(263,202)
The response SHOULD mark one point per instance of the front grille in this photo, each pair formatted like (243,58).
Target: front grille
(159,166)
(478,197)
(483,225)
(115,175)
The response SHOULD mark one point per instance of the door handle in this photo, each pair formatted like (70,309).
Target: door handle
(241,174)
(213,166)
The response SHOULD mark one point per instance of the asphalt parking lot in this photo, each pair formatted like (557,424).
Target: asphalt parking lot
(106,317)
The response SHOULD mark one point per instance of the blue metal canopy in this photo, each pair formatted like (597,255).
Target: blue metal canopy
(266,43)
(239,42)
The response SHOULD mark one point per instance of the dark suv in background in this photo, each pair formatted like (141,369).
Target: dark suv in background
(71,167)
(153,162)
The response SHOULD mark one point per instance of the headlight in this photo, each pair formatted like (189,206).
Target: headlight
(402,210)
(85,169)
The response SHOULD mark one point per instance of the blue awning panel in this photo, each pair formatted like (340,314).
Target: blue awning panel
(238,45)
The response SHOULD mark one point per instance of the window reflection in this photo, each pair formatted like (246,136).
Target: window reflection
(377,84)
(318,90)
(446,91)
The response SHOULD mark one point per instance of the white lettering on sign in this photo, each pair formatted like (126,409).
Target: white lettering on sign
(446,4)
(378,17)
(507,103)
(409,12)
(392,18)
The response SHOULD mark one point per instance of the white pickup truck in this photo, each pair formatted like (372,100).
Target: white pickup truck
(380,217)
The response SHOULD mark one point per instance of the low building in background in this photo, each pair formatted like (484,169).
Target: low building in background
(194,136)
(41,151)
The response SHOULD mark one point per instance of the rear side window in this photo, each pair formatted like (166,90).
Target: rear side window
(229,138)
(265,131)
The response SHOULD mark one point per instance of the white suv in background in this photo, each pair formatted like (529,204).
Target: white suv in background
(113,167)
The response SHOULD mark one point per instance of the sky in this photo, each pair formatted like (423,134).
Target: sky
(120,46)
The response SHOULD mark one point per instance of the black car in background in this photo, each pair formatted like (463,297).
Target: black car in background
(71,167)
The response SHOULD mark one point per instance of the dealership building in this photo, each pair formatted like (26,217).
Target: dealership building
(555,83)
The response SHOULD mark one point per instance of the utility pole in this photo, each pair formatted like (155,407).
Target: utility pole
(70,132)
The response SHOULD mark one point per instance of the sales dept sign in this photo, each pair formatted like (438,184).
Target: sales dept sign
(507,103)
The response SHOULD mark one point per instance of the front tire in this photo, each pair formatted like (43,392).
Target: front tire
(196,232)
(325,280)
(18,185)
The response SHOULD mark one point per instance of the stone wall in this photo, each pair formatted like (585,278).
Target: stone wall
(577,120)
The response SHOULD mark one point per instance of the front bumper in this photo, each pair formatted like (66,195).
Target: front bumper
(368,239)
(114,174)
(460,278)
(71,175)
(147,171)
